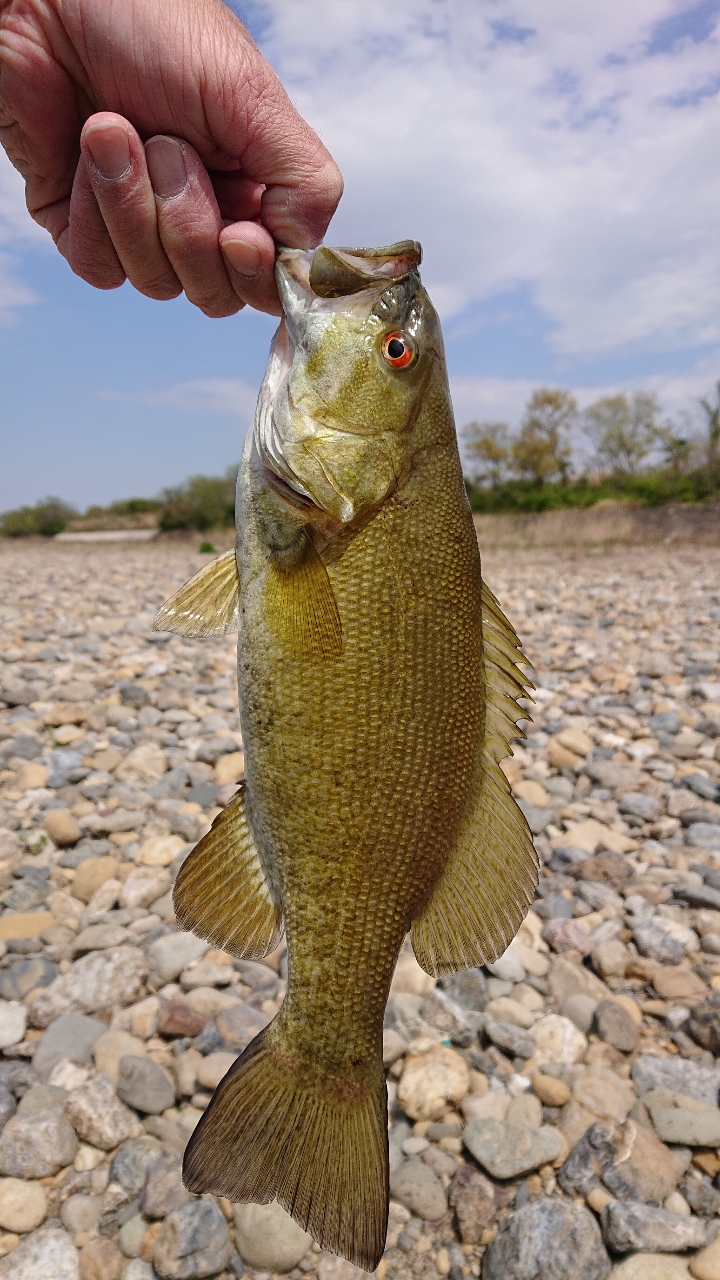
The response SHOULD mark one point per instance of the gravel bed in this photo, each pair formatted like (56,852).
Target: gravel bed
(554,1116)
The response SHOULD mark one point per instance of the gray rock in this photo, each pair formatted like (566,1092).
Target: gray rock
(36,1145)
(472,1196)
(419,1189)
(168,956)
(627,1224)
(101,980)
(704,1026)
(698,895)
(8,1105)
(598,895)
(616,1027)
(627,1158)
(687,1126)
(17,1076)
(138,1269)
(142,1084)
(537,819)
(441,1011)
(81,1213)
(26,895)
(468,989)
(268,1238)
(71,1036)
(164,1189)
(548,1240)
(239,1025)
(677,1074)
(97,1114)
(702,1196)
(130,1237)
(42,1097)
(193,1241)
(98,937)
(554,907)
(24,975)
(132,1161)
(640,805)
(580,1009)
(704,835)
(509,1037)
(657,943)
(506,1150)
(47,1254)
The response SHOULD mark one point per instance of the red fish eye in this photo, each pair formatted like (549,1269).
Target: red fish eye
(398,350)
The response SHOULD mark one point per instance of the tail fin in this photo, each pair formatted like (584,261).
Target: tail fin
(322,1155)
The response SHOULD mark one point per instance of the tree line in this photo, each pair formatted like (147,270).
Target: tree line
(637,453)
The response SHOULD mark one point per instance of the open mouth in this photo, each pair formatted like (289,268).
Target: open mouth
(287,491)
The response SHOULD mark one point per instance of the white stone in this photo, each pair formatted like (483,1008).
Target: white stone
(23,1205)
(557,1039)
(44,1255)
(13,1021)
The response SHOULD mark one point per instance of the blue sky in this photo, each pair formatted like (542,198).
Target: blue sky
(560,164)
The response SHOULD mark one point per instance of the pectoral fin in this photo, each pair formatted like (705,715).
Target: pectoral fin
(488,884)
(207,604)
(221,892)
(302,608)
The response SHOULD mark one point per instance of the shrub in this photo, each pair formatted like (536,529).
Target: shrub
(45,518)
(203,502)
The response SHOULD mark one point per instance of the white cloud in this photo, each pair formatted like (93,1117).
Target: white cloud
(524,144)
(231,396)
(16,229)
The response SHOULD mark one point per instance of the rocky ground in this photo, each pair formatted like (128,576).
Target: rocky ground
(554,1116)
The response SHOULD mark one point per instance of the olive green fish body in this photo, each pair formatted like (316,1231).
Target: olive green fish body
(358,768)
(378,685)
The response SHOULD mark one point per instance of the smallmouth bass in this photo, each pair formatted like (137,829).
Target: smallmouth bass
(378,683)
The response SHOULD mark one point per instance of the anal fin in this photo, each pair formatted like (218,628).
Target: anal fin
(221,892)
(207,604)
(489,882)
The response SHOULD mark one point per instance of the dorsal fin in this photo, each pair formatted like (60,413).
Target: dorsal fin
(207,604)
(488,884)
(221,892)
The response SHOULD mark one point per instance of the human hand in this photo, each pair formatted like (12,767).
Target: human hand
(158,145)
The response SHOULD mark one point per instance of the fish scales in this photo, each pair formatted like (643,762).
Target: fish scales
(359,768)
(378,686)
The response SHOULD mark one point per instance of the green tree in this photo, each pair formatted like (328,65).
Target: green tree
(541,451)
(45,519)
(712,415)
(623,429)
(202,502)
(487,449)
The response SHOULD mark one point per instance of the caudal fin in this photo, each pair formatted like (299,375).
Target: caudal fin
(321,1152)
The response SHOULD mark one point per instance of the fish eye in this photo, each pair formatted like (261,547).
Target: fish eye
(398,350)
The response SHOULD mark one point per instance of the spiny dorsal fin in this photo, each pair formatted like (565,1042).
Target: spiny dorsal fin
(207,604)
(221,893)
(488,884)
(302,608)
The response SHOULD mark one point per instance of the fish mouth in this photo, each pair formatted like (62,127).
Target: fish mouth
(288,491)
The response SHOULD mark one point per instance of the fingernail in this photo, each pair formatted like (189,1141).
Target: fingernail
(109,147)
(243,257)
(166,165)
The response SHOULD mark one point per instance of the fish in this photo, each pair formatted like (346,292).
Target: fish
(379,685)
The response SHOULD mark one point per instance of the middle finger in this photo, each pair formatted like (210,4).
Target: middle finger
(189,224)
